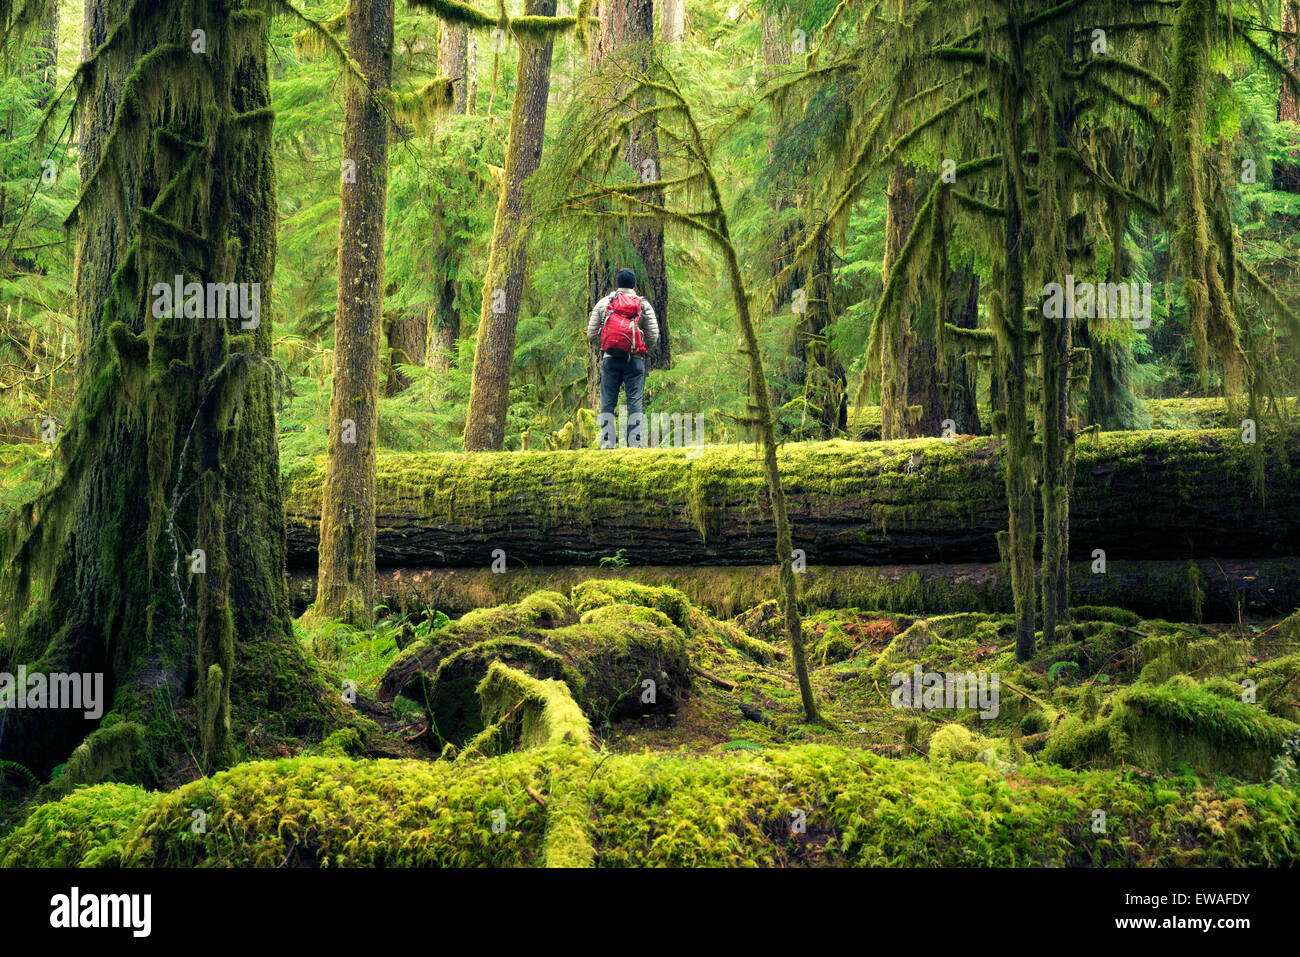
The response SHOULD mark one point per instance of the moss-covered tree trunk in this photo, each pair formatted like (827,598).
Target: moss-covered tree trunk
(347,553)
(910,405)
(825,384)
(959,386)
(503,284)
(158,558)
(1010,336)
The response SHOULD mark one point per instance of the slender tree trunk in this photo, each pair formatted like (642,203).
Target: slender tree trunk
(1286,176)
(503,286)
(471,92)
(1012,365)
(160,552)
(347,555)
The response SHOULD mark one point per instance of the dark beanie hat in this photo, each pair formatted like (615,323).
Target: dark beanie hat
(626,279)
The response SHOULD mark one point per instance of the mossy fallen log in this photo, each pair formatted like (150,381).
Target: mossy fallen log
(1137,495)
(633,662)
(1175,725)
(1218,589)
(855,808)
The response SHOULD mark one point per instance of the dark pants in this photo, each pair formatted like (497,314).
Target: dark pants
(628,374)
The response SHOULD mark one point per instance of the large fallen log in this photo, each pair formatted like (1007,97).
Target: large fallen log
(1223,590)
(1153,495)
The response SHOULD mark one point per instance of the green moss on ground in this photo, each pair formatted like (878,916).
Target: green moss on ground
(809,805)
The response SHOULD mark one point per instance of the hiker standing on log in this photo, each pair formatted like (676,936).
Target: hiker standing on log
(624,326)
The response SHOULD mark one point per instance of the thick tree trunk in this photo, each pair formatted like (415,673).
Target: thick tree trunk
(444,330)
(347,554)
(1157,495)
(503,286)
(158,558)
(910,404)
(672,20)
(627,34)
(453,58)
(408,342)
(825,385)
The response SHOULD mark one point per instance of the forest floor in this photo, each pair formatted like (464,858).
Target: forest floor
(1127,741)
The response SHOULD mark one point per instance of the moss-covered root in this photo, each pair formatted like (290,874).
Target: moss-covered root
(542,715)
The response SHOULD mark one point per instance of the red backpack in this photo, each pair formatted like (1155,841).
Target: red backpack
(622,329)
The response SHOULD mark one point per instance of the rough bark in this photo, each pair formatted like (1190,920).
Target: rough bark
(627,34)
(1156,495)
(453,57)
(959,386)
(1286,176)
(910,404)
(672,20)
(503,285)
(172,445)
(1258,588)
(347,553)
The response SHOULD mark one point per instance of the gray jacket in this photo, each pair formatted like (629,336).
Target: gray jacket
(649,324)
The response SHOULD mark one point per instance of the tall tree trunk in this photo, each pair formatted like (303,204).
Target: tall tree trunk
(672,20)
(471,92)
(503,286)
(453,61)
(47,51)
(825,385)
(959,386)
(627,34)
(910,405)
(1286,176)
(347,555)
(789,226)
(1013,372)
(160,552)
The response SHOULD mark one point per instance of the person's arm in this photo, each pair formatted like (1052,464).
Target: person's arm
(597,317)
(649,325)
